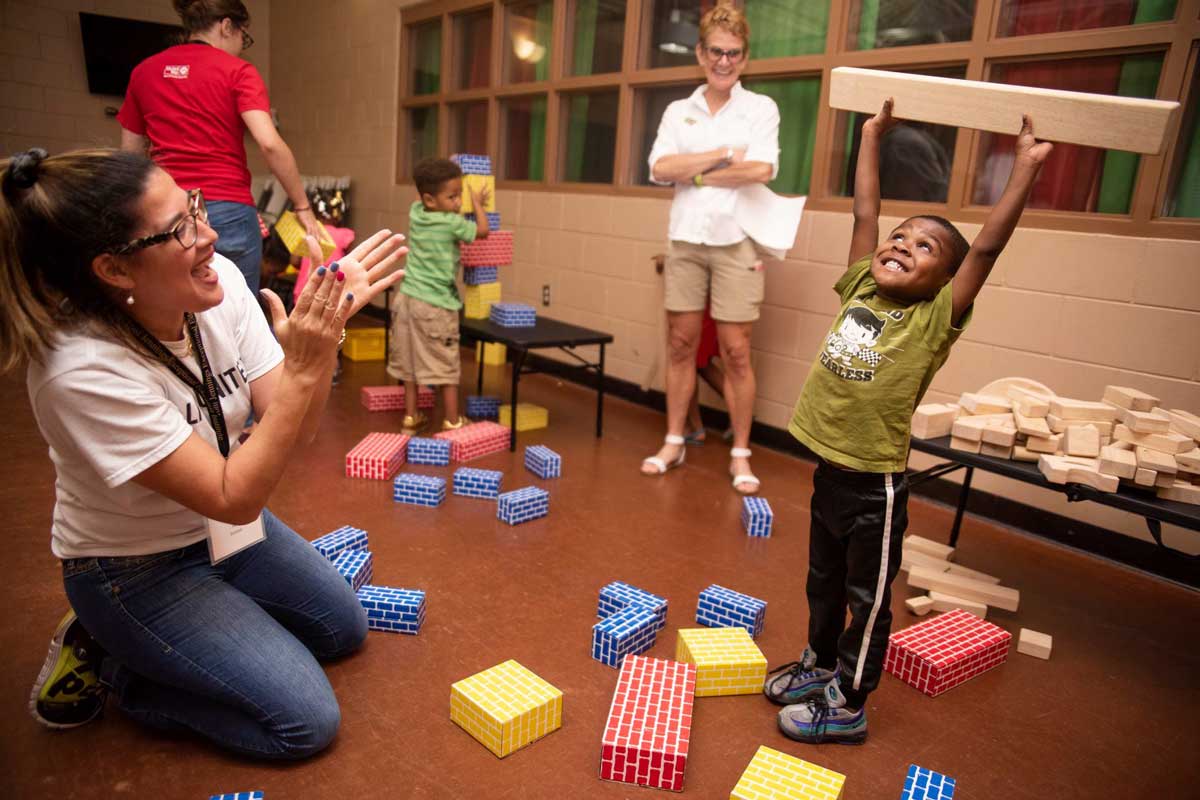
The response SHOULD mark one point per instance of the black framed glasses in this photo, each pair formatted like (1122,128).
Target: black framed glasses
(184,231)
(716,54)
(247,39)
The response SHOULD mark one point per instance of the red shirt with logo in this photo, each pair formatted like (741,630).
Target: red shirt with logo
(188,101)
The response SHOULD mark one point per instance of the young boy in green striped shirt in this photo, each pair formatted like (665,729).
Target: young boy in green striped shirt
(424,339)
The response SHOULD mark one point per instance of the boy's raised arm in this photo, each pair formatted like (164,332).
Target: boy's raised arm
(1001,222)
(866,184)
(479,198)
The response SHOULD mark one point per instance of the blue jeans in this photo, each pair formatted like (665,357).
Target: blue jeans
(240,237)
(227,651)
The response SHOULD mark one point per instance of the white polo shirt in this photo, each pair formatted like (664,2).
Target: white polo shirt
(704,214)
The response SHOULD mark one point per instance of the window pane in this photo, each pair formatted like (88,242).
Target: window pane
(914,158)
(653,103)
(468,127)
(527,41)
(427,58)
(900,23)
(597,36)
(786,27)
(1074,178)
(798,100)
(1025,17)
(590,122)
(473,43)
(675,28)
(523,145)
(1184,197)
(422,133)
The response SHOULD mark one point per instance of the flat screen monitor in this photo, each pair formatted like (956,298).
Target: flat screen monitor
(113,46)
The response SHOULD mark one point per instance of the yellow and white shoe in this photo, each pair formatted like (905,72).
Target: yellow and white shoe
(68,692)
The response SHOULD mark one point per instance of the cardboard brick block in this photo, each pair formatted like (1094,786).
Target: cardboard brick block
(938,654)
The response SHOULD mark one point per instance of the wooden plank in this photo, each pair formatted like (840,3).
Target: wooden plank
(984,403)
(1189,462)
(929,547)
(1184,422)
(998,596)
(933,420)
(1117,123)
(1156,460)
(1030,425)
(920,605)
(1170,442)
(1179,491)
(975,575)
(1118,462)
(1127,397)
(1081,410)
(1033,643)
(1156,421)
(949,602)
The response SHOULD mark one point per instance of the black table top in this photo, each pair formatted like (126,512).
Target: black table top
(1136,501)
(546,333)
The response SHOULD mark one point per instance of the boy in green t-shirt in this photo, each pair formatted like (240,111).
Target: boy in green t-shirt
(424,340)
(904,304)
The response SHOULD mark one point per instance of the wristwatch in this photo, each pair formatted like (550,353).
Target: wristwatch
(698,179)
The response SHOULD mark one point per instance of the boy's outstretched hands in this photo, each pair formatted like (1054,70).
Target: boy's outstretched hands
(1029,149)
(883,121)
(480,196)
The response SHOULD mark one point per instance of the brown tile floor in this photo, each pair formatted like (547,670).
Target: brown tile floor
(1114,713)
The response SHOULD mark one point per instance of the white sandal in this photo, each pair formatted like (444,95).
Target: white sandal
(744,452)
(661,466)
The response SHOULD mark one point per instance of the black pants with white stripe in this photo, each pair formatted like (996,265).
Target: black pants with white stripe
(854,551)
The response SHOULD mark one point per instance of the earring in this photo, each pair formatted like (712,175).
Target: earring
(129,300)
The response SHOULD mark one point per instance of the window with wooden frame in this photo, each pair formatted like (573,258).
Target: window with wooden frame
(566,95)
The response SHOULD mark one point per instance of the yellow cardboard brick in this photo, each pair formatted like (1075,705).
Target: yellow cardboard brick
(506,707)
(478,299)
(475,182)
(727,660)
(772,775)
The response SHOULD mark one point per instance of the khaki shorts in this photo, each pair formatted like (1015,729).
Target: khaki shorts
(727,277)
(424,343)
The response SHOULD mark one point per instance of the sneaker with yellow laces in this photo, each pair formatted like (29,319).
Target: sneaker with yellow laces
(68,692)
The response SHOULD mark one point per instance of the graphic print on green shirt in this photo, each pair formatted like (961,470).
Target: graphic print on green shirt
(433,257)
(873,369)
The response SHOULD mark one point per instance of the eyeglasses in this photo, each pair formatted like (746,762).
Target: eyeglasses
(247,39)
(716,54)
(184,231)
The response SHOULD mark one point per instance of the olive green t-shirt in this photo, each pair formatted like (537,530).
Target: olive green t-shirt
(433,257)
(875,364)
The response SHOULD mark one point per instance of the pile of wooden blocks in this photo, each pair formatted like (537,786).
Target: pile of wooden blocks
(1124,437)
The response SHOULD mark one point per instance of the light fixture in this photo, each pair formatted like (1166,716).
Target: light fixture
(528,50)
(680,35)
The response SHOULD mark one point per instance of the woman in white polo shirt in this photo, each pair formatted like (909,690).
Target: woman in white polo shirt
(718,139)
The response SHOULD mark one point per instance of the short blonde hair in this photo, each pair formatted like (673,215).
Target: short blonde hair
(726,17)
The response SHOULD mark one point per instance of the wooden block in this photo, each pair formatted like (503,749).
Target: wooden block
(920,544)
(1189,461)
(1118,462)
(1004,435)
(1156,421)
(1052,444)
(996,450)
(932,420)
(1030,425)
(984,404)
(1145,477)
(1169,442)
(1082,440)
(1181,492)
(1184,422)
(1093,478)
(992,595)
(1022,453)
(948,602)
(1095,120)
(966,445)
(1133,399)
(955,569)
(1060,424)
(1032,643)
(1121,445)
(1060,470)
(915,558)
(920,606)
(1155,460)
(1084,410)
(971,427)
(1031,408)
(1021,394)
(1164,480)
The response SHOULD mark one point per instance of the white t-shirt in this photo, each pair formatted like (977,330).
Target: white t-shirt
(109,413)
(704,214)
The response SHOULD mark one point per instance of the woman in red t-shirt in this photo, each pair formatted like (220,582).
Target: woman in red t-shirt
(190,106)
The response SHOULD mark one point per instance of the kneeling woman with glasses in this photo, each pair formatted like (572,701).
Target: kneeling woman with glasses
(197,608)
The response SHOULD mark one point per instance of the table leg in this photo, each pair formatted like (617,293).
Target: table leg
(963,494)
(480,345)
(517,364)
(600,396)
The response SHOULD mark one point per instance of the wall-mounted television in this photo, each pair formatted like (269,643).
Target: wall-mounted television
(113,46)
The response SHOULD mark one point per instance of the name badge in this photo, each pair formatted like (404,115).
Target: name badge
(224,539)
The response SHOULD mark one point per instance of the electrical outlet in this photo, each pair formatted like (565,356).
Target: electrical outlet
(545,294)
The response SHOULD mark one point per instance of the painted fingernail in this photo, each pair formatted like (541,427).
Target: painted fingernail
(341,276)
(320,271)
(334,267)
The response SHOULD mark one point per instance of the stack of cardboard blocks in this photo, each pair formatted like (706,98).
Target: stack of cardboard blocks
(757,516)
(481,483)
(482,258)
(925,784)
(356,566)
(506,707)
(483,406)
(513,315)
(938,654)
(391,398)
(419,490)
(522,505)
(474,440)
(495,250)
(619,595)
(477,276)
(543,462)
(393,610)
(772,774)
(719,607)
(727,660)
(435,451)
(530,417)
(648,733)
(478,299)
(377,456)
(334,543)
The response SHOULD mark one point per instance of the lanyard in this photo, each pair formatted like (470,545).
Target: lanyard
(206,389)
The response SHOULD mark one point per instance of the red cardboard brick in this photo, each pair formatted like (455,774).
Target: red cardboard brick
(391,398)
(378,456)
(475,440)
(938,654)
(495,250)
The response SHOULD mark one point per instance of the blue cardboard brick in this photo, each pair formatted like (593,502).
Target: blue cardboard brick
(719,607)
(475,276)
(393,610)
(543,462)
(757,516)
(522,505)
(473,164)
(419,490)
(356,566)
(483,406)
(429,451)
(617,595)
(481,483)
(493,218)
(629,631)
(513,315)
(238,796)
(925,784)
(334,543)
